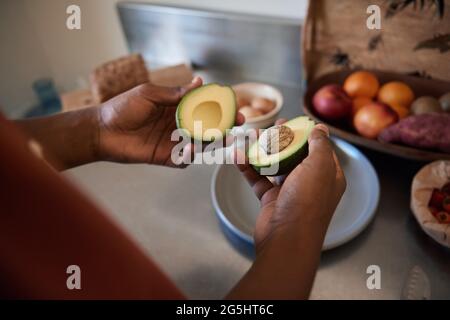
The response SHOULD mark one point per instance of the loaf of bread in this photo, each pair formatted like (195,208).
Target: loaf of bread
(117,76)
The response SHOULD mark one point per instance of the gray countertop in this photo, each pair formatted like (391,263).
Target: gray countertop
(169,213)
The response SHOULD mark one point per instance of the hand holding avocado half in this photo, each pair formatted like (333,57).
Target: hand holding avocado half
(292,222)
(314,187)
(136,126)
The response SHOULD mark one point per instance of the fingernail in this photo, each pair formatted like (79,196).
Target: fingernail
(195,79)
(239,156)
(324,128)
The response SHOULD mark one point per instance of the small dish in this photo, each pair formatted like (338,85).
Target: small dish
(250,90)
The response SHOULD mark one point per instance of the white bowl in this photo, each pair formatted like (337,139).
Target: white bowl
(249,90)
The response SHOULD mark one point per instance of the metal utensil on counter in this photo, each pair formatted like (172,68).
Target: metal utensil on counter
(417,285)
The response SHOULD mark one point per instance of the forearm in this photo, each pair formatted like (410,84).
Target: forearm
(66,139)
(285,268)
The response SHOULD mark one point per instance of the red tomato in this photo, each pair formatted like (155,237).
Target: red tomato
(446,189)
(437,198)
(434,211)
(446,204)
(443,217)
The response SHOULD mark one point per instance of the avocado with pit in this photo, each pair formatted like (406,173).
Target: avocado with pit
(285,145)
(207,112)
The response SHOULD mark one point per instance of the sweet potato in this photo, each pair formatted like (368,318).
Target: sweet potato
(425,131)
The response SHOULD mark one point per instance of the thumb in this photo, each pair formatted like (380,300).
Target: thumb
(168,96)
(319,143)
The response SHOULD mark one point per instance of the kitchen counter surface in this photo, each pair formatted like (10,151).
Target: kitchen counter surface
(169,213)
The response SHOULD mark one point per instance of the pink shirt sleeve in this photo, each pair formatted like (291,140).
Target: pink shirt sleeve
(47,225)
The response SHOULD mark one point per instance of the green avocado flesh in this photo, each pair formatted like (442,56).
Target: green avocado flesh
(207,112)
(288,158)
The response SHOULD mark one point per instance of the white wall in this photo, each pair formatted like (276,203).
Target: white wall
(38,44)
(22,57)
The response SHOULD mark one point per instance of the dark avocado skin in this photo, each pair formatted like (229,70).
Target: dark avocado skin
(289,164)
(177,113)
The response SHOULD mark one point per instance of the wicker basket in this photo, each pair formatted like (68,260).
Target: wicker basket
(412,40)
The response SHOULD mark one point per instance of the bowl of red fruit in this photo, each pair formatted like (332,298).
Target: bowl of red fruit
(430,200)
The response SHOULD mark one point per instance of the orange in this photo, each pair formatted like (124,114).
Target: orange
(401,110)
(396,93)
(361,83)
(359,102)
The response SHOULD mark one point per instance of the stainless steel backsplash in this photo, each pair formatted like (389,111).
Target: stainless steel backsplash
(243,46)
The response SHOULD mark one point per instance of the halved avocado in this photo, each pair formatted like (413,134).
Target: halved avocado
(212,106)
(287,158)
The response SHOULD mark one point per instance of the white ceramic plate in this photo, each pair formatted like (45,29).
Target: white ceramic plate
(237,207)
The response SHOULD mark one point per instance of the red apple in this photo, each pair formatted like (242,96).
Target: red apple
(332,103)
(446,204)
(371,119)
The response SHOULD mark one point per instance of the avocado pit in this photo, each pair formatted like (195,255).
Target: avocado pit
(280,148)
(275,139)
